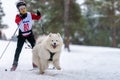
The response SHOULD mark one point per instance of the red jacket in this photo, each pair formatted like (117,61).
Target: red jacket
(34,17)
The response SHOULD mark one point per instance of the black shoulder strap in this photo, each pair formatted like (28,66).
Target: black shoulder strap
(51,56)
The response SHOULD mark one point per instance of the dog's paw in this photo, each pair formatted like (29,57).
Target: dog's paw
(59,68)
(42,72)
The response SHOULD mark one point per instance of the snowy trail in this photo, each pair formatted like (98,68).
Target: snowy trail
(82,63)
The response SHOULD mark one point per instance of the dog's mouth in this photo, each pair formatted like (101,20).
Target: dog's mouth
(54,45)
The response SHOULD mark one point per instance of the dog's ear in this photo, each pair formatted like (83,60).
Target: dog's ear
(60,38)
(59,34)
(50,34)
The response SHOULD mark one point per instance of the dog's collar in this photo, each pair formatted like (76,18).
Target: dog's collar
(51,56)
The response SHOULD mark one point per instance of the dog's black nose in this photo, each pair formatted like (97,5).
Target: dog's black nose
(54,43)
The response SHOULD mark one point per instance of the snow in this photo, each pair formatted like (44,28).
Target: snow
(80,1)
(82,63)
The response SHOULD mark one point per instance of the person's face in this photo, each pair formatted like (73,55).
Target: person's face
(22,9)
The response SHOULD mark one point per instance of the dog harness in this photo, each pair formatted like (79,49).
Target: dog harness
(51,56)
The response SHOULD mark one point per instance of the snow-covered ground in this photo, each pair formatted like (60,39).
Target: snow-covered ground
(82,63)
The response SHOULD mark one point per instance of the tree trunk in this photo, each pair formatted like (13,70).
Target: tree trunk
(113,36)
(66,24)
(113,24)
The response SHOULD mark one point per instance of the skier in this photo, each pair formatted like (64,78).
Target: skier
(24,22)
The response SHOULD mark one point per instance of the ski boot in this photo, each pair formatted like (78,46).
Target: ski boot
(14,66)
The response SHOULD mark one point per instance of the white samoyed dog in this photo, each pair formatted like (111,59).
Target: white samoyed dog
(47,50)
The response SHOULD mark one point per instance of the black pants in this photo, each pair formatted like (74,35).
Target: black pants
(20,43)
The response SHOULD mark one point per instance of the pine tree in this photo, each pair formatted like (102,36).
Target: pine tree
(105,32)
(1,15)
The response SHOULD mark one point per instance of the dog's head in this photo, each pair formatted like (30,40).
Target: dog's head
(54,42)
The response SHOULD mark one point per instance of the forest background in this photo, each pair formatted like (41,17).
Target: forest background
(94,22)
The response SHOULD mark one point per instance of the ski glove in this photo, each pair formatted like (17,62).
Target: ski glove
(38,13)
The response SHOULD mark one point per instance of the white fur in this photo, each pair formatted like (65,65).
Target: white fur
(42,49)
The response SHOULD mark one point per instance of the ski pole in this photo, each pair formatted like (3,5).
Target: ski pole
(8,44)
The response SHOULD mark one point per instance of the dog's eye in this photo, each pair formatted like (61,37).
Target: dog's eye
(56,40)
(52,40)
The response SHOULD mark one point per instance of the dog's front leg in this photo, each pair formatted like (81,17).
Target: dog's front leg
(42,66)
(57,64)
